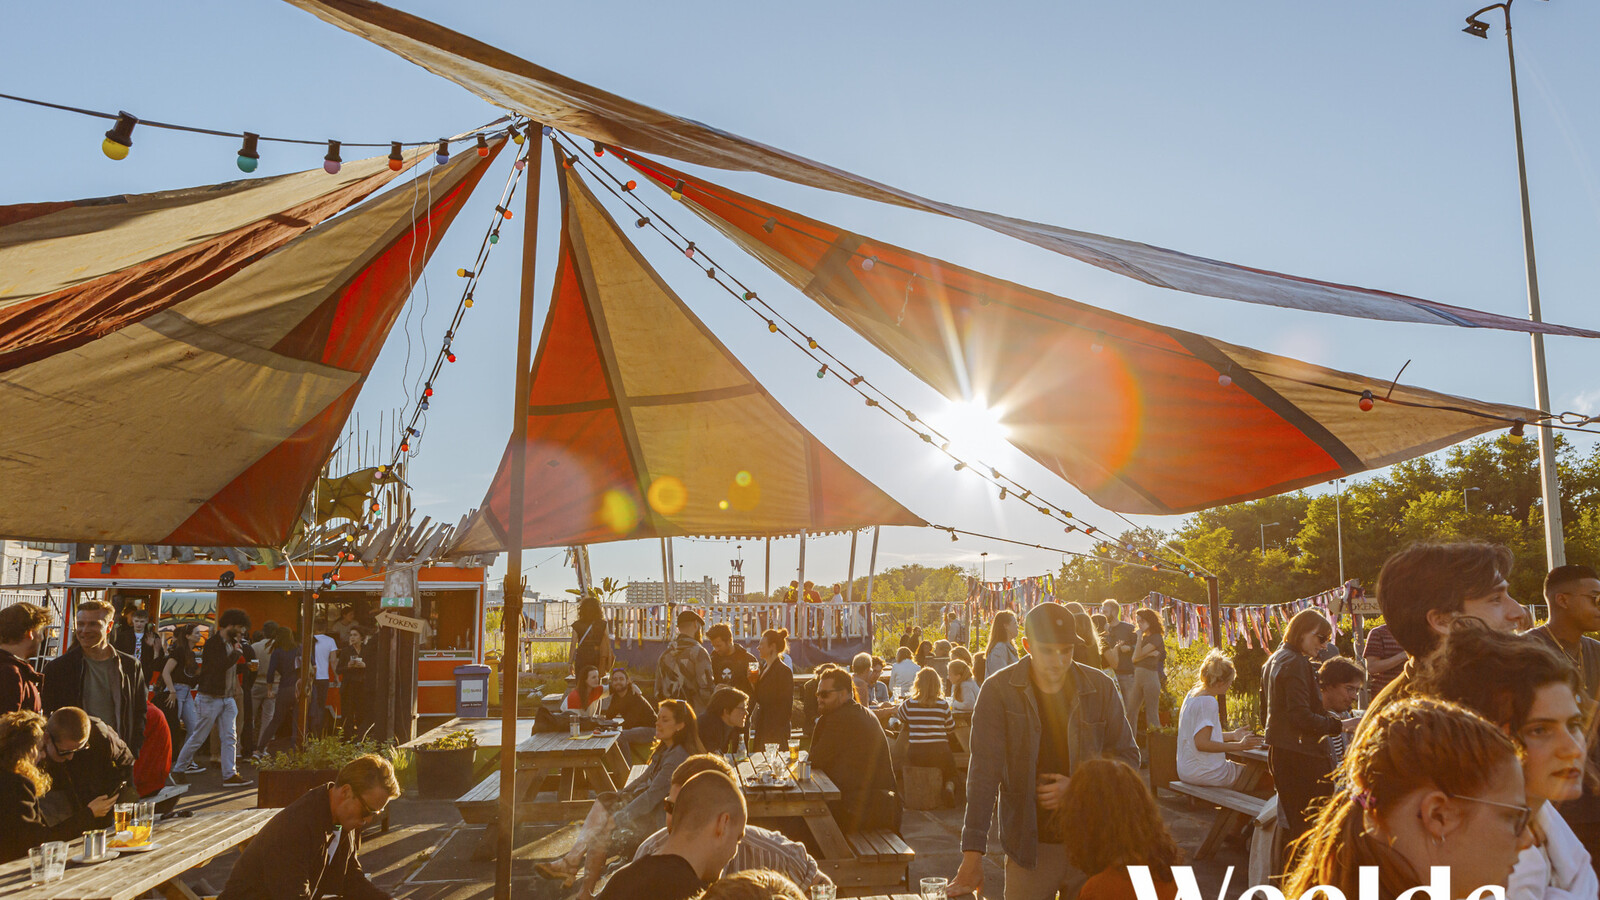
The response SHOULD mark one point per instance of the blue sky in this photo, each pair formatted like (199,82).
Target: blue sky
(1364,142)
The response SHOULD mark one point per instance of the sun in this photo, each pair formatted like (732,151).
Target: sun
(975,429)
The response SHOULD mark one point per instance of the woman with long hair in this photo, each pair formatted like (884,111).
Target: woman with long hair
(1086,646)
(1530,691)
(22,784)
(181,677)
(929,726)
(586,694)
(963,689)
(591,645)
(1127,831)
(1149,655)
(724,721)
(774,690)
(1203,746)
(1001,651)
(285,665)
(1297,722)
(1427,783)
(623,819)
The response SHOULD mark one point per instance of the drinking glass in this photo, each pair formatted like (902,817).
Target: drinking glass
(824,891)
(38,865)
(935,888)
(55,855)
(144,821)
(773,759)
(125,813)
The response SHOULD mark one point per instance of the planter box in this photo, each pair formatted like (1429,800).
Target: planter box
(277,788)
(1163,750)
(444,774)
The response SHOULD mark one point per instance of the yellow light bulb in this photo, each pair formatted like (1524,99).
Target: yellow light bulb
(114,150)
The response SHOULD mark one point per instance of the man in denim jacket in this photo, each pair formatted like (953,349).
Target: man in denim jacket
(1035,722)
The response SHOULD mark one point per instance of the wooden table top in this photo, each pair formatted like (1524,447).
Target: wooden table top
(487,731)
(561,743)
(818,787)
(1257,756)
(181,845)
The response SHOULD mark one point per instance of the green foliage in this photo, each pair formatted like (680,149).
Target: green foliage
(330,752)
(460,739)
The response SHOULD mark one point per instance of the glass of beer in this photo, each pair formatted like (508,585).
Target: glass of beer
(144,822)
(755,671)
(125,813)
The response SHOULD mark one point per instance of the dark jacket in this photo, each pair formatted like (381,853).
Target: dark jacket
(716,736)
(63,686)
(1005,751)
(150,653)
(22,824)
(288,859)
(733,669)
(104,767)
(215,660)
(1296,718)
(19,685)
(632,708)
(774,702)
(849,746)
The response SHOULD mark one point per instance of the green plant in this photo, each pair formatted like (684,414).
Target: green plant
(331,752)
(460,739)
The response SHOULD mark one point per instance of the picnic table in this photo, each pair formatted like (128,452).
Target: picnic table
(588,763)
(181,846)
(863,859)
(487,731)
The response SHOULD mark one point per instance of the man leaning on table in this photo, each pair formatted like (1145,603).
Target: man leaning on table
(1036,721)
(309,848)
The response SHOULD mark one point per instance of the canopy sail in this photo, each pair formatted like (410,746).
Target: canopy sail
(1140,417)
(641,424)
(195,400)
(554,99)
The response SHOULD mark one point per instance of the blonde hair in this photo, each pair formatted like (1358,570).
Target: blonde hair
(959,672)
(754,884)
(21,732)
(927,689)
(1215,669)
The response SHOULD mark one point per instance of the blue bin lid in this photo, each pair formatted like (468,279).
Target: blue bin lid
(473,670)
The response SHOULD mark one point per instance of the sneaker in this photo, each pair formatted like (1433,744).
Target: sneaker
(195,769)
(236,779)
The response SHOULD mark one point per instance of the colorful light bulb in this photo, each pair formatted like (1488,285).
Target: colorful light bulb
(483,146)
(868,263)
(332,163)
(443,155)
(521,163)
(630,185)
(248,157)
(1365,402)
(119,139)
(396,161)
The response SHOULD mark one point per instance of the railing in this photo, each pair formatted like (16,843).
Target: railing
(632,623)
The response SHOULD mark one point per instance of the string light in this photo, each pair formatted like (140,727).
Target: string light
(249,157)
(1365,402)
(822,372)
(1517,431)
(642,222)
(689,250)
(521,163)
(119,139)
(464,272)
(516,136)
(630,186)
(868,263)
(442,156)
(332,163)
(677,191)
(396,161)
(504,213)
(483,147)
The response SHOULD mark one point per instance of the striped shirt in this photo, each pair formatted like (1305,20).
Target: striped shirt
(759,849)
(927,723)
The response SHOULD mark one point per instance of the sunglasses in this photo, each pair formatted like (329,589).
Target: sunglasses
(64,754)
(1524,813)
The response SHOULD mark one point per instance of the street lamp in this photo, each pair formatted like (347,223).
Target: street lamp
(1550,490)
(1464,494)
(1264,528)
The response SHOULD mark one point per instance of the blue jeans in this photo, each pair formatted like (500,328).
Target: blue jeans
(184,696)
(223,713)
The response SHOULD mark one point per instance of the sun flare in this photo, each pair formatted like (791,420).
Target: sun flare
(975,429)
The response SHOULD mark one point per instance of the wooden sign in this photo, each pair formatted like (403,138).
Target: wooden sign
(391,619)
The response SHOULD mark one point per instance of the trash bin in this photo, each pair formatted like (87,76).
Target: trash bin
(472,691)
(493,659)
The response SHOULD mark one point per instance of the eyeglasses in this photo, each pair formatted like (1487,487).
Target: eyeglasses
(367,811)
(1524,813)
(824,692)
(64,754)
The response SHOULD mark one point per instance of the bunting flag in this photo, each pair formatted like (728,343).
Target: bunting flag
(168,377)
(1252,624)
(549,97)
(641,424)
(1141,418)
(1020,595)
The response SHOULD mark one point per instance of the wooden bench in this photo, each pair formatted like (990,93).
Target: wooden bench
(481,806)
(881,857)
(1233,809)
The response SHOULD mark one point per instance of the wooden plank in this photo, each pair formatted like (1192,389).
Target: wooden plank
(1223,797)
(830,840)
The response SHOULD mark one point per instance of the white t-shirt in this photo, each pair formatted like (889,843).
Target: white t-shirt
(322,653)
(903,675)
(1196,766)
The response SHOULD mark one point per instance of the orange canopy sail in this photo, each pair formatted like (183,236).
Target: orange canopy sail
(190,391)
(1140,417)
(641,424)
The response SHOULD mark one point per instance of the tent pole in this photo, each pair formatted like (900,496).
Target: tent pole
(802,596)
(872,568)
(666,575)
(850,582)
(769,570)
(511,611)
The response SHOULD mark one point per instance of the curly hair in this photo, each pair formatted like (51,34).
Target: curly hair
(1493,674)
(21,732)
(1128,828)
(754,884)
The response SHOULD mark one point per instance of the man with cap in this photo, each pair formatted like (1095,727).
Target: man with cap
(684,670)
(1034,724)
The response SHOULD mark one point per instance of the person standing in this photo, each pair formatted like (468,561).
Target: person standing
(214,704)
(849,746)
(1001,651)
(1120,640)
(774,690)
(263,694)
(591,645)
(1384,657)
(323,649)
(1034,725)
(285,667)
(140,641)
(955,630)
(730,663)
(684,670)
(96,677)
(22,628)
(1297,722)
(1149,656)
(1573,595)
(180,677)
(352,672)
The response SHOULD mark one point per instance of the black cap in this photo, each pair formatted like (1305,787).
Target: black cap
(1050,623)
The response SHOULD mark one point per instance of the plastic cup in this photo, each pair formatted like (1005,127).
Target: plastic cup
(824,892)
(935,888)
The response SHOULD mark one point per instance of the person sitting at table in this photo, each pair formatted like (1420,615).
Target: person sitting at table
(1340,680)
(723,724)
(861,674)
(709,819)
(619,819)
(586,695)
(929,728)
(924,654)
(310,847)
(1203,746)
(1001,652)
(22,783)
(903,673)
(880,688)
(627,704)
(759,849)
(90,769)
(963,688)
(849,746)
(774,696)
(754,884)
(1128,831)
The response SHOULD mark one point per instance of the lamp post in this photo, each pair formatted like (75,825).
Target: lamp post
(1550,490)
(1338,522)
(1464,493)
(1264,528)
